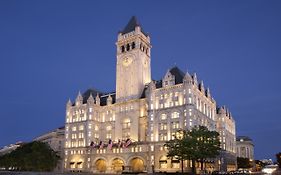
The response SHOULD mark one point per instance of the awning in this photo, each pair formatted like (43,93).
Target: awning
(163,161)
(71,163)
(79,163)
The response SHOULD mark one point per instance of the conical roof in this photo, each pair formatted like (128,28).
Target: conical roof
(132,24)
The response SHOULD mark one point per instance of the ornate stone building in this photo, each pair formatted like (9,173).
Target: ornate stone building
(245,147)
(125,130)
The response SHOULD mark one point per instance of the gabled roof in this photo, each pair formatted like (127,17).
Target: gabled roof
(179,75)
(132,24)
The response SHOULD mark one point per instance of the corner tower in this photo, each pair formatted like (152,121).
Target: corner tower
(133,61)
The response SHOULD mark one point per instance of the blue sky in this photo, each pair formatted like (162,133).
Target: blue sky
(49,50)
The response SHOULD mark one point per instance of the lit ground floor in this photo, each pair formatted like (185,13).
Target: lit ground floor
(144,157)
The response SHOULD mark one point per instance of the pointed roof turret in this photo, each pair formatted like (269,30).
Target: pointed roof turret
(79,99)
(187,78)
(109,100)
(90,99)
(68,104)
(194,77)
(132,24)
(97,99)
(202,86)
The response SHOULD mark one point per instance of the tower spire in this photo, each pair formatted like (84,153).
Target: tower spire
(132,24)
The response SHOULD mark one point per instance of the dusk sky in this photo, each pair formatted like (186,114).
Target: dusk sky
(49,50)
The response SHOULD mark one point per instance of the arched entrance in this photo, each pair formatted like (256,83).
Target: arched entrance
(117,165)
(101,165)
(137,165)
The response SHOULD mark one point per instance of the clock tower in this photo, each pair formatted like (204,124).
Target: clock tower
(133,62)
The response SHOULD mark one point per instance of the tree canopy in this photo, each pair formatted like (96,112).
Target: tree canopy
(197,144)
(34,156)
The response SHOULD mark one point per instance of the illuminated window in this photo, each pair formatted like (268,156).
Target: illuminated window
(151,117)
(175,115)
(190,122)
(162,137)
(175,125)
(108,135)
(96,128)
(190,112)
(126,123)
(189,100)
(90,109)
(81,127)
(74,128)
(163,116)
(109,127)
(189,91)
(151,137)
(151,148)
(163,126)
(96,136)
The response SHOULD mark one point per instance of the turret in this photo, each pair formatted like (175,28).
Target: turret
(97,99)
(194,77)
(68,104)
(109,100)
(201,86)
(91,99)
(79,99)
(187,78)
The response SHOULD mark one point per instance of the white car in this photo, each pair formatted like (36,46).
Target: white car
(268,169)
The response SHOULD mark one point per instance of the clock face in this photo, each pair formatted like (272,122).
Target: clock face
(127,61)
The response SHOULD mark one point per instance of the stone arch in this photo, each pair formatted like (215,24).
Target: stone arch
(137,164)
(118,164)
(100,164)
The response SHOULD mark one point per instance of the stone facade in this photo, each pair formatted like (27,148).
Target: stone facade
(126,130)
(245,147)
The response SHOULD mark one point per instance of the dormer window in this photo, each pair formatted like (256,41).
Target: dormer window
(122,49)
(133,45)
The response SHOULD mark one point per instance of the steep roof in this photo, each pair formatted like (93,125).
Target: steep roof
(132,24)
(179,75)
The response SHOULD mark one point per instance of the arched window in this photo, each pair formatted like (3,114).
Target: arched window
(128,47)
(175,115)
(133,45)
(126,123)
(122,49)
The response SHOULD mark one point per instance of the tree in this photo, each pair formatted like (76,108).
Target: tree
(195,145)
(34,156)
(243,162)
(278,158)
